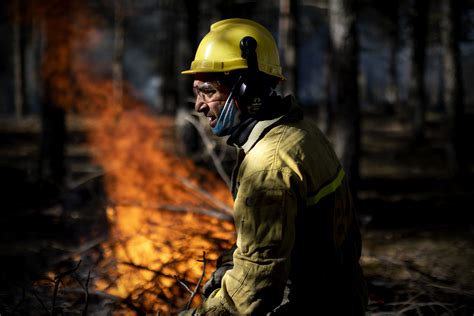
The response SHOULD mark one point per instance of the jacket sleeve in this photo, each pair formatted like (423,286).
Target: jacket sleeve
(264,212)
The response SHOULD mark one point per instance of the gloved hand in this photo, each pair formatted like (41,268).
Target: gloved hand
(224,262)
(216,278)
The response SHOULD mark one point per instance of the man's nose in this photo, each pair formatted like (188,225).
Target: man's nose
(199,104)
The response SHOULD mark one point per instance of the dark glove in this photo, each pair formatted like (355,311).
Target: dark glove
(216,278)
(224,263)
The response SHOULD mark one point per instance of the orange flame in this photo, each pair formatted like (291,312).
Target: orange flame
(154,236)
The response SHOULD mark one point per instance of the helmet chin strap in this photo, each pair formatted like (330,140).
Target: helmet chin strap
(230,115)
(228,118)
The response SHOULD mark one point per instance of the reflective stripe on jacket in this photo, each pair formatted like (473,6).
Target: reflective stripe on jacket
(292,203)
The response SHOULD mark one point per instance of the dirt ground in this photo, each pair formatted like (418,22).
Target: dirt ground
(418,233)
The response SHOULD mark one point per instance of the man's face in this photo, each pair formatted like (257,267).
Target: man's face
(210,96)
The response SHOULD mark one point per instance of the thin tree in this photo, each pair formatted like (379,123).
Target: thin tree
(417,93)
(18,60)
(55,71)
(392,92)
(453,86)
(346,123)
(288,42)
(167,54)
(186,44)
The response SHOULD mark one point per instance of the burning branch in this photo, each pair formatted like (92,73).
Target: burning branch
(220,205)
(173,208)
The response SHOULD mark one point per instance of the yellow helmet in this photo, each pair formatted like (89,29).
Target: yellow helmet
(219,50)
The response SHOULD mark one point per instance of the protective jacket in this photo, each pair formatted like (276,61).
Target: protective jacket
(296,228)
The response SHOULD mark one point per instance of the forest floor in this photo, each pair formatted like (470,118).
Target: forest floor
(418,235)
(418,231)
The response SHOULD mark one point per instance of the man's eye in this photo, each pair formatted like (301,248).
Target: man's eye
(208,92)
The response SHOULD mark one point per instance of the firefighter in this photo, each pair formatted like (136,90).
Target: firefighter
(298,241)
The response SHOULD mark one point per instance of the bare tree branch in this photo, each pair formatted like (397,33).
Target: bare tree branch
(58,280)
(183,284)
(196,289)
(174,208)
(86,290)
(211,199)
(131,264)
(209,148)
(40,301)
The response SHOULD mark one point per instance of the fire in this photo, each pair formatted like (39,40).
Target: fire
(159,204)
(155,237)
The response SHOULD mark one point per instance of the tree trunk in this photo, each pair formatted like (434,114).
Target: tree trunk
(119,43)
(417,95)
(288,42)
(346,126)
(453,87)
(56,56)
(392,92)
(53,138)
(326,111)
(167,53)
(187,44)
(18,60)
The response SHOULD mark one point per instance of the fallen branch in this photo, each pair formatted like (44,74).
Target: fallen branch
(432,280)
(418,305)
(174,208)
(451,289)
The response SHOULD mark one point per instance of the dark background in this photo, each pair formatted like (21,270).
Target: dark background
(393,96)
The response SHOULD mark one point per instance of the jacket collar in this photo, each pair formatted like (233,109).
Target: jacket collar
(252,131)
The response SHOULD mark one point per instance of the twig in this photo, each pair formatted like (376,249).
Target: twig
(207,195)
(196,289)
(451,289)
(131,264)
(86,298)
(58,280)
(41,302)
(100,294)
(209,148)
(174,208)
(183,284)
(418,305)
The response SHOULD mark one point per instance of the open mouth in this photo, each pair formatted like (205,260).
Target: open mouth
(212,120)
